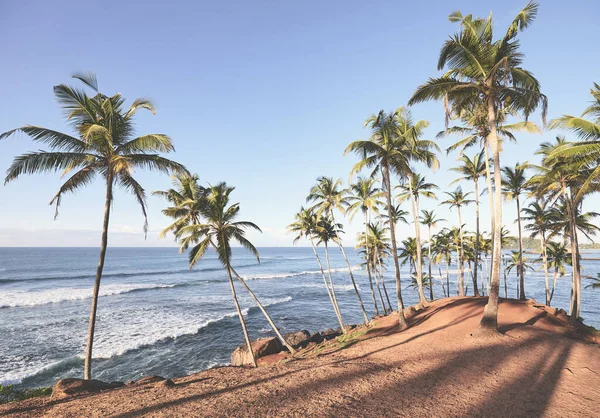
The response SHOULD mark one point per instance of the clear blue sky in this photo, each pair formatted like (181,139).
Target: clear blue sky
(264,95)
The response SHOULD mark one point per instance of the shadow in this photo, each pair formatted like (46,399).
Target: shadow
(531,321)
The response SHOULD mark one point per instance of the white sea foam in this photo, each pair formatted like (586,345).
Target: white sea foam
(342,287)
(21,298)
(301,273)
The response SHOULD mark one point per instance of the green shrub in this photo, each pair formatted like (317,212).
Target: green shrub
(10,393)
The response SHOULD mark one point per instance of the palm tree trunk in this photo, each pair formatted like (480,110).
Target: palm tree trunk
(488,274)
(385,311)
(369,263)
(337,306)
(87,368)
(388,185)
(339,317)
(488,177)
(553,285)
(576,282)
(264,311)
(461,262)
(545,262)
(339,243)
(239,311)
(429,262)
(521,268)
(419,265)
(489,321)
(442,279)
(448,276)
(505,285)
(475,290)
(383,285)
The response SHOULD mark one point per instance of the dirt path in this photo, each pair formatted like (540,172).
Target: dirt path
(540,367)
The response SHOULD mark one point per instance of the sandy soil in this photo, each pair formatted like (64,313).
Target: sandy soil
(540,367)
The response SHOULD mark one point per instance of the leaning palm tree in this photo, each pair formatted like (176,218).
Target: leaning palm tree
(329,196)
(365,197)
(306,225)
(394,144)
(415,187)
(518,262)
(458,199)
(442,249)
(540,225)
(217,229)
(428,218)
(513,184)
(104,145)
(482,71)
(558,257)
(381,249)
(472,170)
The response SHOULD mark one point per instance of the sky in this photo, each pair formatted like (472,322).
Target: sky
(264,95)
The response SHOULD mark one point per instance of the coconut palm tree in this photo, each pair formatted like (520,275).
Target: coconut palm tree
(517,262)
(539,225)
(558,256)
(104,145)
(306,225)
(429,219)
(513,184)
(328,196)
(365,197)
(482,71)
(413,188)
(217,228)
(394,144)
(471,170)
(442,247)
(381,250)
(458,199)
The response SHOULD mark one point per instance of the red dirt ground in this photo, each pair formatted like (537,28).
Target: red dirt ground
(542,366)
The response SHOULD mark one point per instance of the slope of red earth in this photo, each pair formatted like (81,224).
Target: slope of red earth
(541,366)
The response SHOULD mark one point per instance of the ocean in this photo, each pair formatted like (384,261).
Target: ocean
(158,317)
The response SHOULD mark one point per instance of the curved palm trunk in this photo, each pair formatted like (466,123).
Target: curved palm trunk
(239,311)
(476,262)
(388,193)
(461,262)
(337,306)
(489,321)
(369,263)
(442,279)
(545,262)
(385,311)
(87,368)
(384,288)
(488,177)
(418,266)
(429,263)
(553,285)
(505,285)
(339,243)
(448,276)
(337,314)
(521,269)
(264,311)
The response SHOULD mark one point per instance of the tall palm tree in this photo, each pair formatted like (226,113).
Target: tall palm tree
(328,196)
(413,188)
(486,72)
(217,228)
(471,170)
(540,225)
(428,218)
(104,144)
(513,184)
(393,146)
(365,197)
(457,199)
(306,225)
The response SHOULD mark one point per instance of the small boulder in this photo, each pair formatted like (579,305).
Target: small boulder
(261,347)
(316,338)
(72,386)
(149,379)
(164,384)
(330,334)
(298,339)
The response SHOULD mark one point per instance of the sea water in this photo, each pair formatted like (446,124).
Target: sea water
(158,317)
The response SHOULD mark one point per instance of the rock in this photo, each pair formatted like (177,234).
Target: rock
(72,386)
(330,334)
(164,384)
(261,347)
(149,379)
(297,339)
(316,338)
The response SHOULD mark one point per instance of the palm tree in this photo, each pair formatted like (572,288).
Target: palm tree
(518,262)
(328,196)
(513,184)
(306,225)
(486,72)
(415,187)
(381,250)
(428,218)
(595,282)
(365,197)
(408,253)
(540,225)
(471,170)
(217,229)
(442,247)
(558,257)
(104,145)
(459,199)
(394,144)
